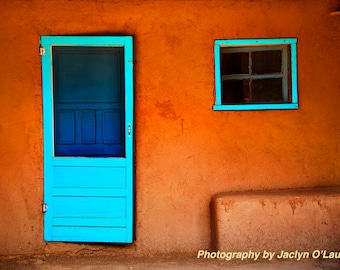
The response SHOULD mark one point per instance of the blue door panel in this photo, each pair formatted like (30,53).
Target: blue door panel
(96,207)
(88,142)
(88,132)
(90,177)
(88,126)
(90,234)
(89,222)
(66,135)
(112,127)
(87,192)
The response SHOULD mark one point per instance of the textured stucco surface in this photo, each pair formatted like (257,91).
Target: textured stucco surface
(185,151)
(305,220)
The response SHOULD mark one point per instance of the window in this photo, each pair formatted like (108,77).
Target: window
(256,74)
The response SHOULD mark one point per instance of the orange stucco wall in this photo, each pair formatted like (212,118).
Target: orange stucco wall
(185,151)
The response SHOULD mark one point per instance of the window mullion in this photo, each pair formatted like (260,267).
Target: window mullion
(253,77)
(250,68)
(285,75)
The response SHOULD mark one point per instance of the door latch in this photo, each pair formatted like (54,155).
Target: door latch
(129,129)
(44,207)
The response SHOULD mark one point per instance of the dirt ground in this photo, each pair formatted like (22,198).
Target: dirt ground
(173,261)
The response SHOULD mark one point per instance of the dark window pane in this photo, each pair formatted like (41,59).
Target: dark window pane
(88,101)
(235,91)
(234,63)
(266,90)
(87,73)
(265,62)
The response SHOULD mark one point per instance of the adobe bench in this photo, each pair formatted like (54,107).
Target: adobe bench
(296,219)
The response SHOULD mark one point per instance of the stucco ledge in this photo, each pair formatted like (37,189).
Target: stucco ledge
(275,220)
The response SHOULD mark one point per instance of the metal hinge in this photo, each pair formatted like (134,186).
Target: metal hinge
(42,51)
(44,207)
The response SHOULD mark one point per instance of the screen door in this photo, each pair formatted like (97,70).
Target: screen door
(88,138)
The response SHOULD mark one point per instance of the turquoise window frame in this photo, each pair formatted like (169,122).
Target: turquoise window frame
(292,42)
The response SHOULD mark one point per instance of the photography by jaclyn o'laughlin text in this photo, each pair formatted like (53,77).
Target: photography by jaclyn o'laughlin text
(268,255)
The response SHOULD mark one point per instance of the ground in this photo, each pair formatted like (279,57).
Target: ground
(173,261)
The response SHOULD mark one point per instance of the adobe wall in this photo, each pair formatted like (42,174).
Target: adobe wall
(185,151)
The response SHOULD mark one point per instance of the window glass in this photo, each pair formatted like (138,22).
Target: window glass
(235,63)
(266,90)
(266,62)
(235,91)
(88,101)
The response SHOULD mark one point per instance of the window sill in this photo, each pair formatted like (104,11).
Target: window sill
(249,107)
(335,13)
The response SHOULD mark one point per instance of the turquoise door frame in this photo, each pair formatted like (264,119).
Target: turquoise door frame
(87,199)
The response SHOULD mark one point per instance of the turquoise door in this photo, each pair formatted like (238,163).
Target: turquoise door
(88,138)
